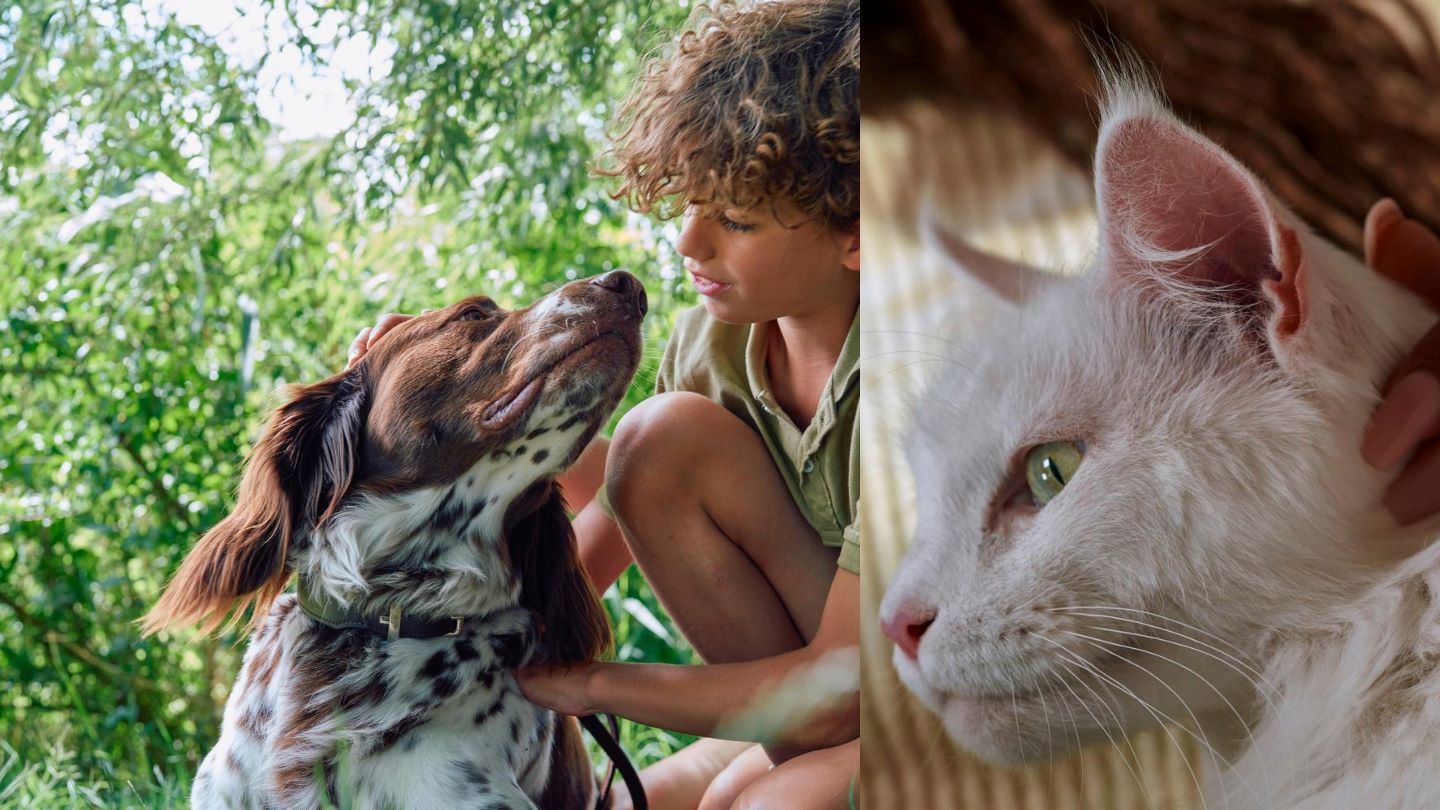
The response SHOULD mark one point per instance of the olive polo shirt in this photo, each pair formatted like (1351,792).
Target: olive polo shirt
(820,464)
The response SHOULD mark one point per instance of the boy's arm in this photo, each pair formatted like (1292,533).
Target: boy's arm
(584,477)
(701,699)
(603,553)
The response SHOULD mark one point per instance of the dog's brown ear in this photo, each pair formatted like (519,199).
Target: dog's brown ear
(573,626)
(306,457)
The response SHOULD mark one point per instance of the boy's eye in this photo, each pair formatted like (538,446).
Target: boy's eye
(731,225)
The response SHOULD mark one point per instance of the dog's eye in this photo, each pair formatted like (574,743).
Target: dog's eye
(473,315)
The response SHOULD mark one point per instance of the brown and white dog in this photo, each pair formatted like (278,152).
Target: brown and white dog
(414,496)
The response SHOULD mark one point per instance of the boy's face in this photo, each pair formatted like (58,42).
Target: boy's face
(749,267)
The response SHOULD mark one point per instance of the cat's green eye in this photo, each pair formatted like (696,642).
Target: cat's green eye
(1049,467)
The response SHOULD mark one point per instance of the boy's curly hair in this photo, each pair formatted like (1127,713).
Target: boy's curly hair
(754,103)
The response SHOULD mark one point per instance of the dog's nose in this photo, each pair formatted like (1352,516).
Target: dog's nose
(624,285)
(905,628)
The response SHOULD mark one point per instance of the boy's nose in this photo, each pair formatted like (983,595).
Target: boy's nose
(693,243)
(905,627)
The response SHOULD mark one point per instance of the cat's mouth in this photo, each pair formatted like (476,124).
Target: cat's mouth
(1017,724)
(1106,666)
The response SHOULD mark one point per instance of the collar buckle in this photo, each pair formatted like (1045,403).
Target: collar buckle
(392,623)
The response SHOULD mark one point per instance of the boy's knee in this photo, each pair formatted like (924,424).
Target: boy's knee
(658,441)
(819,780)
(665,417)
(770,794)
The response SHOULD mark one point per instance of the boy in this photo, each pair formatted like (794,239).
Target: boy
(736,487)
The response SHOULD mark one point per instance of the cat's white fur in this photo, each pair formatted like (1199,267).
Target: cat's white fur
(1219,563)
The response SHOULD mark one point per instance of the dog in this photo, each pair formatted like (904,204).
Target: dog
(414,497)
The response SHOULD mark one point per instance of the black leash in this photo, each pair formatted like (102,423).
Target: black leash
(607,734)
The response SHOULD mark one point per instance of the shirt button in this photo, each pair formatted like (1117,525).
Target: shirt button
(809,467)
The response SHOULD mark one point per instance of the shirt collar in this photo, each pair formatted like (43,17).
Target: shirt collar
(847,365)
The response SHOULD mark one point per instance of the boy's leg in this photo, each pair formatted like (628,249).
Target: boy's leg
(726,787)
(819,780)
(680,780)
(712,525)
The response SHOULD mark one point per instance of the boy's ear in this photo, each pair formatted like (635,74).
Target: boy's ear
(304,461)
(851,261)
(1180,214)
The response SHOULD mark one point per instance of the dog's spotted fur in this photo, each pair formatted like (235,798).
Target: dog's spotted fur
(405,481)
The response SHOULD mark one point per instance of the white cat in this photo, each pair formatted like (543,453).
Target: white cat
(1141,500)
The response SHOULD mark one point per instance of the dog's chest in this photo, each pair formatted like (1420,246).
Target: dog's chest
(403,723)
(490,744)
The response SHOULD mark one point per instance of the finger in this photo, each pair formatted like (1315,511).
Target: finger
(1382,215)
(387,322)
(1424,357)
(357,347)
(1409,415)
(1415,495)
(1407,253)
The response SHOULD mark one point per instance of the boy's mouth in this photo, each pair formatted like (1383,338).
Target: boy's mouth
(707,286)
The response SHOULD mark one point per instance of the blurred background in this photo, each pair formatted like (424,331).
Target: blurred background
(988,111)
(203,201)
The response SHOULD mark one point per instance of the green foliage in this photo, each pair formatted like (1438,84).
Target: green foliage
(167,262)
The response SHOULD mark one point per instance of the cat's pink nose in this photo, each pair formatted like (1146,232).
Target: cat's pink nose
(905,627)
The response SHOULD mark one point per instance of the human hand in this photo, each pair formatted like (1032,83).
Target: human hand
(566,690)
(1407,422)
(367,336)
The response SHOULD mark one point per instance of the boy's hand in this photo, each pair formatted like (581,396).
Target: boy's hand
(1408,420)
(367,336)
(560,689)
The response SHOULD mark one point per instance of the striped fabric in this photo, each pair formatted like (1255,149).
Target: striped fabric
(1008,193)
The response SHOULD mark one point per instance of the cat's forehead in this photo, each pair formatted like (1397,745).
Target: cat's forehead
(1078,360)
(1021,362)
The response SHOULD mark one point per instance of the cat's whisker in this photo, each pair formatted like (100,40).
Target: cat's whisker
(1027,603)
(945,403)
(1163,720)
(1240,660)
(1015,714)
(1120,727)
(865,358)
(936,359)
(1253,675)
(1244,724)
(1049,738)
(1215,756)
(1074,729)
(912,333)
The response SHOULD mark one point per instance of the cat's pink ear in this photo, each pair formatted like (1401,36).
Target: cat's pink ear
(1011,280)
(1176,210)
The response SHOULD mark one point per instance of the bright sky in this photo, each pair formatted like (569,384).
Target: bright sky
(301,99)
